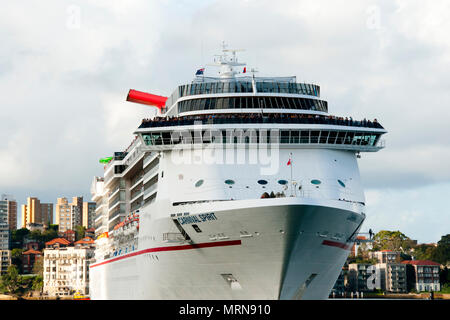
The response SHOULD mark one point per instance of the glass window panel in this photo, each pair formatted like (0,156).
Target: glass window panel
(225,103)
(332,137)
(314,136)
(207,102)
(304,137)
(323,136)
(284,137)
(295,136)
(340,137)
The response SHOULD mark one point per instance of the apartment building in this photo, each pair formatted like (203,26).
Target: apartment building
(66,267)
(392,277)
(425,274)
(5,252)
(36,212)
(358,276)
(5,260)
(9,205)
(89,214)
(69,215)
(29,257)
(130,180)
(386,256)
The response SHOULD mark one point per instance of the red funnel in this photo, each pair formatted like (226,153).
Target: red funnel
(146,98)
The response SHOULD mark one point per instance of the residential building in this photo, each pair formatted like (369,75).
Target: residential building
(66,267)
(69,215)
(340,284)
(358,276)
(5,260)
(68,234)
(36,212)
(28,259)
(36,226)
(386,256)
(392,277)
(89,214)
(90,233)
(9,205)
(4,231)
(425,274)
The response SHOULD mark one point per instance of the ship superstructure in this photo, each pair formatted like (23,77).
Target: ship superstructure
(242,187)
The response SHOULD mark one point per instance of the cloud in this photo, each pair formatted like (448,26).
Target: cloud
(65,69)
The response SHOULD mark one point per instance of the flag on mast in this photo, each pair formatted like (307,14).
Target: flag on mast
(289,162)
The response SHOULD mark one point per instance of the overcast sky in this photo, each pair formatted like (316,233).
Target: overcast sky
(66,68)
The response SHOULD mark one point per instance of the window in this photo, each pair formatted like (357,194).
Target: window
(229,182)
(283,182)
(341,183)
(262,182)
(199,183)
(316,182)
(196,228)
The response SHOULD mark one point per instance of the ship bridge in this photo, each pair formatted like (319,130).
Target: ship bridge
(236,107)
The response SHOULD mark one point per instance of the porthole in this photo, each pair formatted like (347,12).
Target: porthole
(229,182)
(263,182)
(283,182)
(316,182)
(341,183)
(199,183)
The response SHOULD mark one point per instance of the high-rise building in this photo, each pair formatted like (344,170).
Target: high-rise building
(69,215)
(35,212)
(5,253)
(9,204)
(89,214)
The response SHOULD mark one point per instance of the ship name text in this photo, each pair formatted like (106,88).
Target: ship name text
(197,218)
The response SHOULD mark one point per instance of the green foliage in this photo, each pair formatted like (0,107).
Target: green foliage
(12,283)
(424,252)
(49,234)
(445,288)
(441,253)
(38,283)
(391,240)
(80,231)
(17,236)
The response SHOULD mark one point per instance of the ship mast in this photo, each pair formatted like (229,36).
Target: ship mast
(227,62)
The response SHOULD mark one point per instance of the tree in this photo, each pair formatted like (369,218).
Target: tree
(38,266)
(424,252)
(12,282)
(442,252)
(16,258)
(49,234)
(80,231)
(391,240)
(17,237)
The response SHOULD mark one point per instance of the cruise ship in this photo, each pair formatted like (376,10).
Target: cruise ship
(240,187)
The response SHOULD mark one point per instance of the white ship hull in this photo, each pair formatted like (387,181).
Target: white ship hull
(296,250)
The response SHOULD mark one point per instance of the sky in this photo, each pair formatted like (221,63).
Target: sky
(66,68)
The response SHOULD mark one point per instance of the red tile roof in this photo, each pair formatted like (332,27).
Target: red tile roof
(58,240)
(421,262)
(31,251)
(85,240)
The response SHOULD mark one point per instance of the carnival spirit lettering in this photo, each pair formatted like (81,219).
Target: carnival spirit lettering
(197,219)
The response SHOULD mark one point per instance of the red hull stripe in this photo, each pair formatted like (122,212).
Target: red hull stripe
(174,248)
(336,244)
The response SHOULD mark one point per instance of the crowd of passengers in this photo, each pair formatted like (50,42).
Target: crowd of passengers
(257,118)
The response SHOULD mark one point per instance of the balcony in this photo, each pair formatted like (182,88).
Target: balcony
(151,190)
